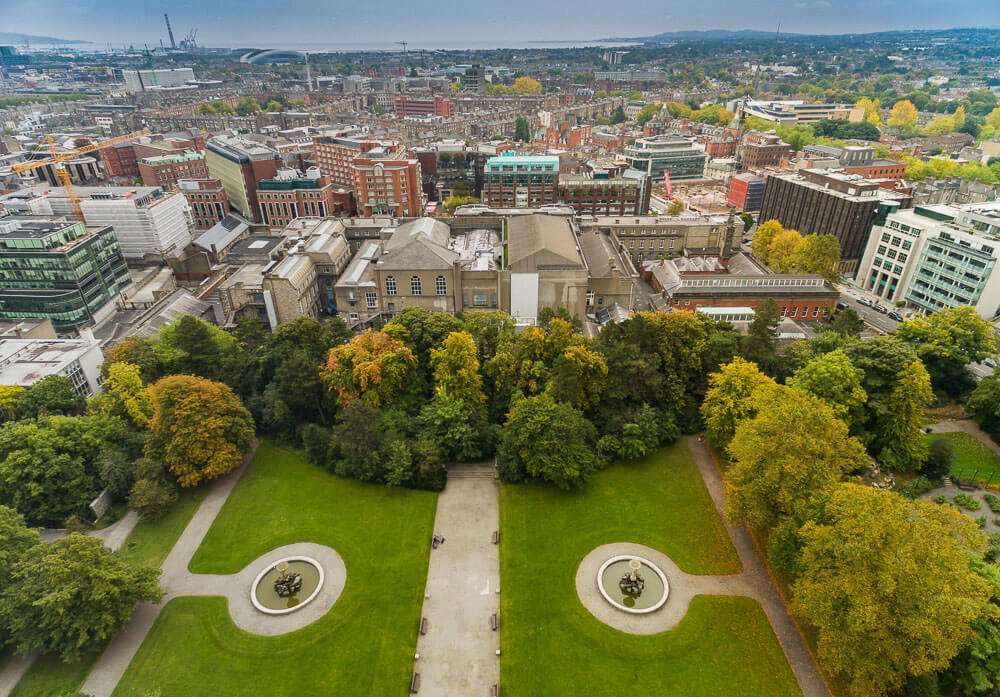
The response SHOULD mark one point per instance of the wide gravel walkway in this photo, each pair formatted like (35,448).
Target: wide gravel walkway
(759,582)
(458,654)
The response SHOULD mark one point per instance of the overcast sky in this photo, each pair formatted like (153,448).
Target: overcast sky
(253,22)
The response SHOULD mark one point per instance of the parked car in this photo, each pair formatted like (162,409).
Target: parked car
(896,316)
(990,362)
(865,301)
(880,309)
(841,306)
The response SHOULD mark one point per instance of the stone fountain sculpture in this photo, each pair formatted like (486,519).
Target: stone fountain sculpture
(632,583)
(287,585)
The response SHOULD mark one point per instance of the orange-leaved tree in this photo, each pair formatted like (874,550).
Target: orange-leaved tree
(372,366)
(200,428)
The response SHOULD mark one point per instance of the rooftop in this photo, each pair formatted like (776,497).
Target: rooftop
(26,361)
(540,241)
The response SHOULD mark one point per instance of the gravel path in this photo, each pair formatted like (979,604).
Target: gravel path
(966,426)
(759,582)
(114,536)
(458,654)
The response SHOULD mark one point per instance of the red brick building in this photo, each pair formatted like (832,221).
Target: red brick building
(422,106)
(879,169)
(688,283)
(387,183)
(746,191)
(335,155)
(291,196)
(120,161)
(165,170)
(764,150)
(207,199)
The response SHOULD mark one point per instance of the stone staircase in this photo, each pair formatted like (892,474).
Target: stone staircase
(477,470)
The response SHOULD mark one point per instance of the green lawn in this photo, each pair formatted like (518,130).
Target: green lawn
(152,540)
(972,459)
(553,646)
(149,543)
(50,677)
(363,646)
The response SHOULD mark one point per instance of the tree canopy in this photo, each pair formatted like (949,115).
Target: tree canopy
(888,585)
(200,429)
(69,597)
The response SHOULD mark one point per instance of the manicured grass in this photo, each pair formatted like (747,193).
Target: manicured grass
(363,646)
(50,677)
(552,645)
(972,458)
(152,540)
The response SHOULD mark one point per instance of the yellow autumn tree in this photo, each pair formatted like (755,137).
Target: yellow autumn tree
(200,428)
(903,115)
(372,366)
(781,256)
(888,586)
(527,85)
(125,395)
(871,108)
(763,237)
(731,398)
(790,450)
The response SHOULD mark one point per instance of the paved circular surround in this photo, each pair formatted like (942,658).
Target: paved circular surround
(298,606)
(644,562)
(682,586)
(235,587)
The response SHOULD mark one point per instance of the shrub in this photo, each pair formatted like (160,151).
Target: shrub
(993,502)
(919,485)
(940,456)
(151,498)
(942,499)
(316,441)
(981,521)
(967,502)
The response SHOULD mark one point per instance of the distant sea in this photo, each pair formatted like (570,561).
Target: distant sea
(346,47)
(388,46)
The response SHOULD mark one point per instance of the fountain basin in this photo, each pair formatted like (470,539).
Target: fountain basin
(266,599)
(654,593)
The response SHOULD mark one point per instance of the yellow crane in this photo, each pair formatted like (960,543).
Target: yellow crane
(58,161)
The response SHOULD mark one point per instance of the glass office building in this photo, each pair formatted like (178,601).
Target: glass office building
(59,270)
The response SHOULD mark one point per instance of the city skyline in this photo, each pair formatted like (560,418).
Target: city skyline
(516,22)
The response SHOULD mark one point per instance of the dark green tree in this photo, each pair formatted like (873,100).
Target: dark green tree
(548,440)
(71,596)
(522,130)
(759,343)
(53,394)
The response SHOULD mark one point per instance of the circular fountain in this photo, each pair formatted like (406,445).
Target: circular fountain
(287,585)
(633,584)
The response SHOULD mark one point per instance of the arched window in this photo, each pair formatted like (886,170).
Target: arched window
(415,288)
(390,285)
(441,285)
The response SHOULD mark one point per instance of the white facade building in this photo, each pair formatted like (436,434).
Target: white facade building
(26,361)
(936,256)
(146,220)
(142,80)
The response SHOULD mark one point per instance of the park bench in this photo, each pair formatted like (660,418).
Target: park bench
(415,684)
(495,691)
(494,621)
(423,626)
(496,537)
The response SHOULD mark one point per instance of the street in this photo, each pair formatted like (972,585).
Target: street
(876,320)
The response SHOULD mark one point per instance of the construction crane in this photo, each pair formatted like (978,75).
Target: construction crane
(58,161)
(403,44)
(170,32)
